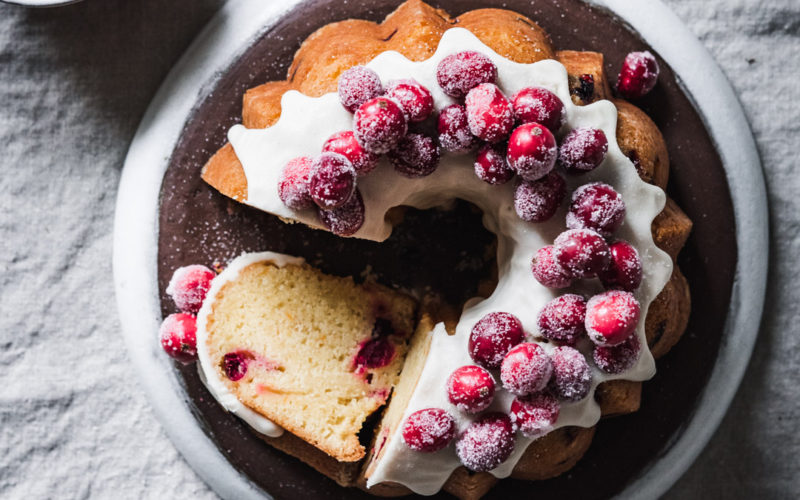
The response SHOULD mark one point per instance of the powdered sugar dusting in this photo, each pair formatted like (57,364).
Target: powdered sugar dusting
(572,377)
(486,443)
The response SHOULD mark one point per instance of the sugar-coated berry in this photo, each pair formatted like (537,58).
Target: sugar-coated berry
(583,149)
(638,75)
(471,388)
(532,151)
(548,271)
(535,415)
(539,105)
(345,144)
(188,287)
(358,85)
(486,443)
(178,334)
(459,73)
(379,124)
(582,252)
(454,134)
(416,155)
(429,430)
(624,271)
(492,337)
(332,181)
(618,358)
(491,165)
(538,201)
(572,377)
(563,319)
(345,220)
(489,113)
(526,369)
(234,364)
(293,184)
(611,317)
(415,100)
(596,206)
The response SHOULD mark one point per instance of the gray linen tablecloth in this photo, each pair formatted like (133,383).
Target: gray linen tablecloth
(74,83)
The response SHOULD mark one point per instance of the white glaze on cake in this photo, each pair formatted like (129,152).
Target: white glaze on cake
(306,123)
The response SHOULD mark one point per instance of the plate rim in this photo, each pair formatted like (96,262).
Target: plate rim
(231,31)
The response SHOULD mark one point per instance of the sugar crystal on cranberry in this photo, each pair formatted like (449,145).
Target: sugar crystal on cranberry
(535,415)
(563,319)
(526,369)
(454,133)
(638,75)
(581,252)
(492,336)
(379,124)
(583,149)
(538,201)
(332,181)
(459,73)
(178,335)
(548,271)
(188,287)
(471,388)
(414,98)
(293,184)
(486,443)
(596,206)
(416,155)
(532,151)
(611,317)
(429,430)
(572,377)
(539,105)
(345,220)
(489,113)
(618,358)
(491,165)
(345,144)
(624,271)
(357,85)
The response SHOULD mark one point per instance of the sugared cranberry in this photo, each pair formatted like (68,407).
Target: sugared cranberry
(332,181)
(429,430)
(638,75)
(459,73)
(345,144)
(471,389)
(486,443)
(583,149)
(572,377)
(188,287)
(596,206)
(526,369)
(379,125)
(454,134)
(562,319)
(625,269)
(611,317)
(491,165)
(345,220)
(538,201)
(582,252)
(178,334)
(539,105)
(234,364)
(534,416)
(293,184)
(532,151)
(416,100)
(618,358)
(416,155)
(358,85)
(489,113)
(548,271)
(374,353)
(493,336)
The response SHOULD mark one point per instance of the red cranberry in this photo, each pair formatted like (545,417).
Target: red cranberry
(625,269)
(618,358)
(493,336)
(416,100)
(358,85)
(491,165)
(548,271)
(572,377)
(332,181)
(293,184)
(534,416)
(486,443)
(596,206)
(375,353)
(459,73)
(379,125)
(416,155)
(532,151)
(454,134)
(582,252)
(638,75)
(539,105)
(234,364)
(583,149)
(178,335)
(538,201)
(188,287)
(345,220)
(489,113)
(345,144)
(611,317)
(471,389)
(562,319)
(526,369)
(429,430)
